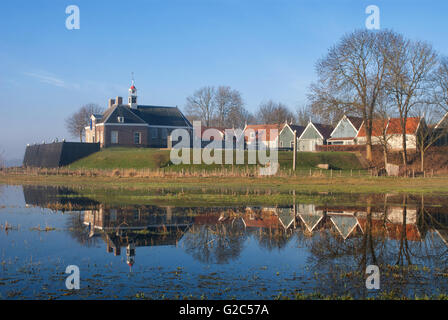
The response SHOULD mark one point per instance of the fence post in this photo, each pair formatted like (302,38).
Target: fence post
(294,151)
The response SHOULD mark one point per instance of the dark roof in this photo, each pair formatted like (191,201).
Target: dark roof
(299,129)
(324,129)
(356,122)
(111,115)
(443,123)
(162,116)
(151,115)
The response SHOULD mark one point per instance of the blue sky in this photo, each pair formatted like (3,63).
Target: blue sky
(265,49)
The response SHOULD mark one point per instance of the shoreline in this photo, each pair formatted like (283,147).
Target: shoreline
(284,183)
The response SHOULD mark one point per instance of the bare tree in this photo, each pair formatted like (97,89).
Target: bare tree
(227,100)
(304,114)
(350,78)
(381,123)
(271,112)
(77,122)
(434,112)
(440,81)
(238,117)
(202,105)
(431,130)
(409,66)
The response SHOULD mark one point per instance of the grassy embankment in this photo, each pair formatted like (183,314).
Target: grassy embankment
(141,174)
(144,158)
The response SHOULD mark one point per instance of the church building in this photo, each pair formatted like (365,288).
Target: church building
(134,125)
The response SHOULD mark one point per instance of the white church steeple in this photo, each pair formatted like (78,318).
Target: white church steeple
(132,98)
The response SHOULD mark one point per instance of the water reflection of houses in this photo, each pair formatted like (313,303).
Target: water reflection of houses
(133,227)
(218,234)
(391,222)
(272,226)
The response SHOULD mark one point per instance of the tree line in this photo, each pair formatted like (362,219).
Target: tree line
(381,74)
(374,75)
(370,74)
(224,107)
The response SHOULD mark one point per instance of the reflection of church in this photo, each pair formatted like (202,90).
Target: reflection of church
(135,227)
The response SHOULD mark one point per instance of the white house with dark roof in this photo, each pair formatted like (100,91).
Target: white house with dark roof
(345,131)
(313,135)
(135,125)
(286,135)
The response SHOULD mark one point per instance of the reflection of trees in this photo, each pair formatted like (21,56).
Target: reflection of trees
(433,251)
(403,250)
(219,243)
(273,238)
(78,230)
(392,246)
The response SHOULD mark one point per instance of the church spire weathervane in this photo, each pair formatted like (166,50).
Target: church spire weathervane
(132,98)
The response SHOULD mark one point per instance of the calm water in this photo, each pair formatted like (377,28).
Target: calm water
(245,252)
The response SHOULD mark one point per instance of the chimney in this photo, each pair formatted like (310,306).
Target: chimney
(119,100)
(111,102)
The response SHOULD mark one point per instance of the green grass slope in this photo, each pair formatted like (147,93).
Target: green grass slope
(142,158)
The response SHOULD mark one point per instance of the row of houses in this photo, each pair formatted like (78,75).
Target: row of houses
(131,124)
(348,131)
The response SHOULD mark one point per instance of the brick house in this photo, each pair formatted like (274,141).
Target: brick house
(262,132)
(134,125)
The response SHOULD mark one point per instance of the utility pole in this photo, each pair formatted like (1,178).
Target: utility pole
(294,150)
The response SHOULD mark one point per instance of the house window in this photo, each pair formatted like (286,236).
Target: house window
(137,138)
(114,137)
(281,144)
(154,133)
(120,119)
(292,144)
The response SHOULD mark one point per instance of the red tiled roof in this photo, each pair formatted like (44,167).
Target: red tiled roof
(393,126)
(265,130)
(221,130)
(378,126)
